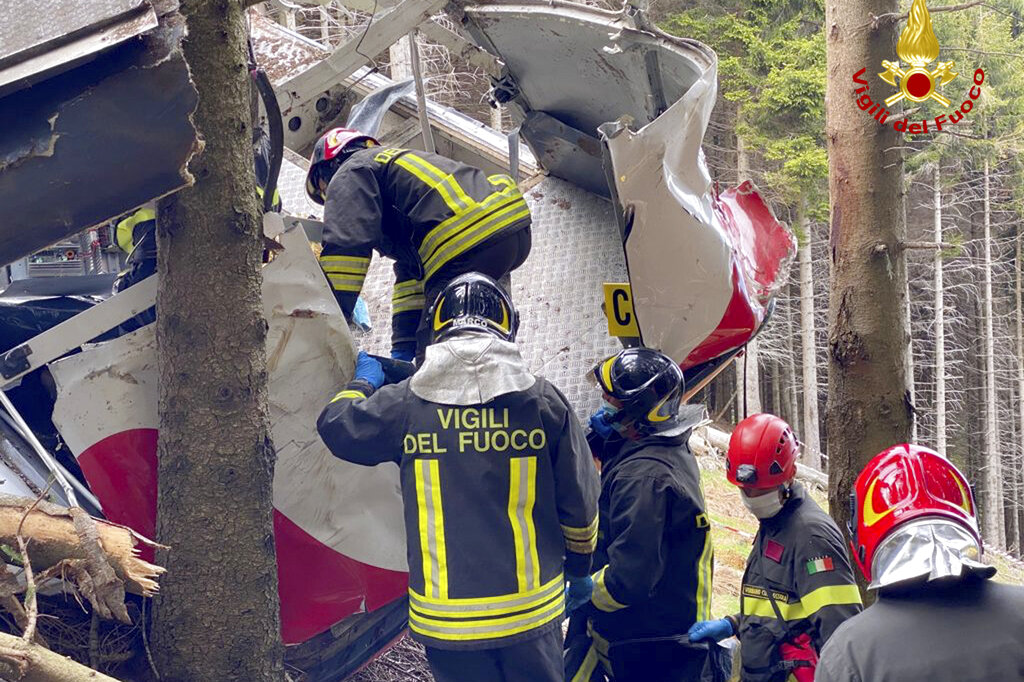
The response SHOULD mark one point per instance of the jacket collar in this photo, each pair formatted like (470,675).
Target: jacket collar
(619,449)
(797,493)
(471,369)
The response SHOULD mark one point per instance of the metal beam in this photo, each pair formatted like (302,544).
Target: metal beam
(436,33)
(381,34)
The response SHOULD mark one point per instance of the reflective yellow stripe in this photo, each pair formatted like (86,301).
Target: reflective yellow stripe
(407,296)
(600,646)
(832,595)
(606,373)
(588,666)
(126,227)
(487,606)
(704,578)
(501,179)
(474,235)
(487,628)
(521,497)
(436,179)
(349,263)
(431,527)
(410,304)
(451,226)
(581,540)
(601,597)
(340,282)
(582,534)
(349,394)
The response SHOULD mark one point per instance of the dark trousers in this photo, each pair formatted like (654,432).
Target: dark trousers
(535,660)
(496,260)
(591,658)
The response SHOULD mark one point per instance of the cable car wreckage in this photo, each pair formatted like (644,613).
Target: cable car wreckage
(612,112)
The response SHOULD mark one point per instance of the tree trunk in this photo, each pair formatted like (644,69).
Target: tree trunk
(992,518)
(811,453)
(401,59)
(792,379)
(867,409)
(940,324)
(748,375)
(911,379)
(217,618)
(1019,440)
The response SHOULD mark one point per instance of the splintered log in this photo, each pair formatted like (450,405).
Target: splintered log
(105,553)
(27,662)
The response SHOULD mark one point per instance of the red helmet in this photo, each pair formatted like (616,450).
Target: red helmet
(762,453)
(899,485)
(334,144)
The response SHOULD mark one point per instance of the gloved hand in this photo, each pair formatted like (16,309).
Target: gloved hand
(361,314)
(599,424)
(406,355)
(578,591)
(369,370)
(710,629)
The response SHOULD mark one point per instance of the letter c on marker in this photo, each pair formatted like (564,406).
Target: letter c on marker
(620,295)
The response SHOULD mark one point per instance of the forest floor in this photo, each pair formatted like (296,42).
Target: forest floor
(732,532)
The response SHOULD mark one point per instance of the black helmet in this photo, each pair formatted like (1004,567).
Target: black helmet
(473,302)
(646,385)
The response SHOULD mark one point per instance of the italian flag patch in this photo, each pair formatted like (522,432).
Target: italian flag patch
(820,565)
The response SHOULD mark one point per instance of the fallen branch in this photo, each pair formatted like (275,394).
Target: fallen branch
(79,546)
(28,662)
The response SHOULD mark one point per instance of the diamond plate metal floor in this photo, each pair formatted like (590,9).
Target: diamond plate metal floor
(558,292)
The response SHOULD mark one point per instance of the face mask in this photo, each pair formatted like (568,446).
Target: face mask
(765,506)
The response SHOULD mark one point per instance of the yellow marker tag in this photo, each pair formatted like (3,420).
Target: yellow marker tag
(618,308)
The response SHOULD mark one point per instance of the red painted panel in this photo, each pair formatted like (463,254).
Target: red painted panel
(318,586)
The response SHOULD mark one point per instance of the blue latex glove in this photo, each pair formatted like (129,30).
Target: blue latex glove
(599,423)
(361,314)
(407,355)
(577,592)
(710,629)
(369,370)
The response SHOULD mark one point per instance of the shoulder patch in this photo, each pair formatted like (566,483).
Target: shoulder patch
(773,551)
(822,564)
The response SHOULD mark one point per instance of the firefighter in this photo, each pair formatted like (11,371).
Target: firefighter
(437,218)
(654,557)
(938,617)
(798,586)
(136,233)
(499,488)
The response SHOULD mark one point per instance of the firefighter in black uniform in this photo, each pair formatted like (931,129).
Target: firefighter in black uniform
(798,586)
(938,616)
(437,218)
(654,558)
(136,234)
(499,487)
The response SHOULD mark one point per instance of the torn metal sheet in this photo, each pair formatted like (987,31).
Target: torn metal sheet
(342,519)
(42,38)
(702,268)
(582,67)
(94,142)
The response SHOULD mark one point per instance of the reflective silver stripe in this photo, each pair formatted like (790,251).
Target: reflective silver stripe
(486,628)
(471,236)
(431,521)
(509,603)
(453,225)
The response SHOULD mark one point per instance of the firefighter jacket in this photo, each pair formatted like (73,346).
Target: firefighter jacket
(499,489)
(798,581)
(654,557)
(949,631)
(422,210)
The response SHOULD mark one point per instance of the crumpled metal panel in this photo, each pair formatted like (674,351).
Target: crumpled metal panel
(94,142)
(583,67)
(338,527)
(702,268)
(28,28)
